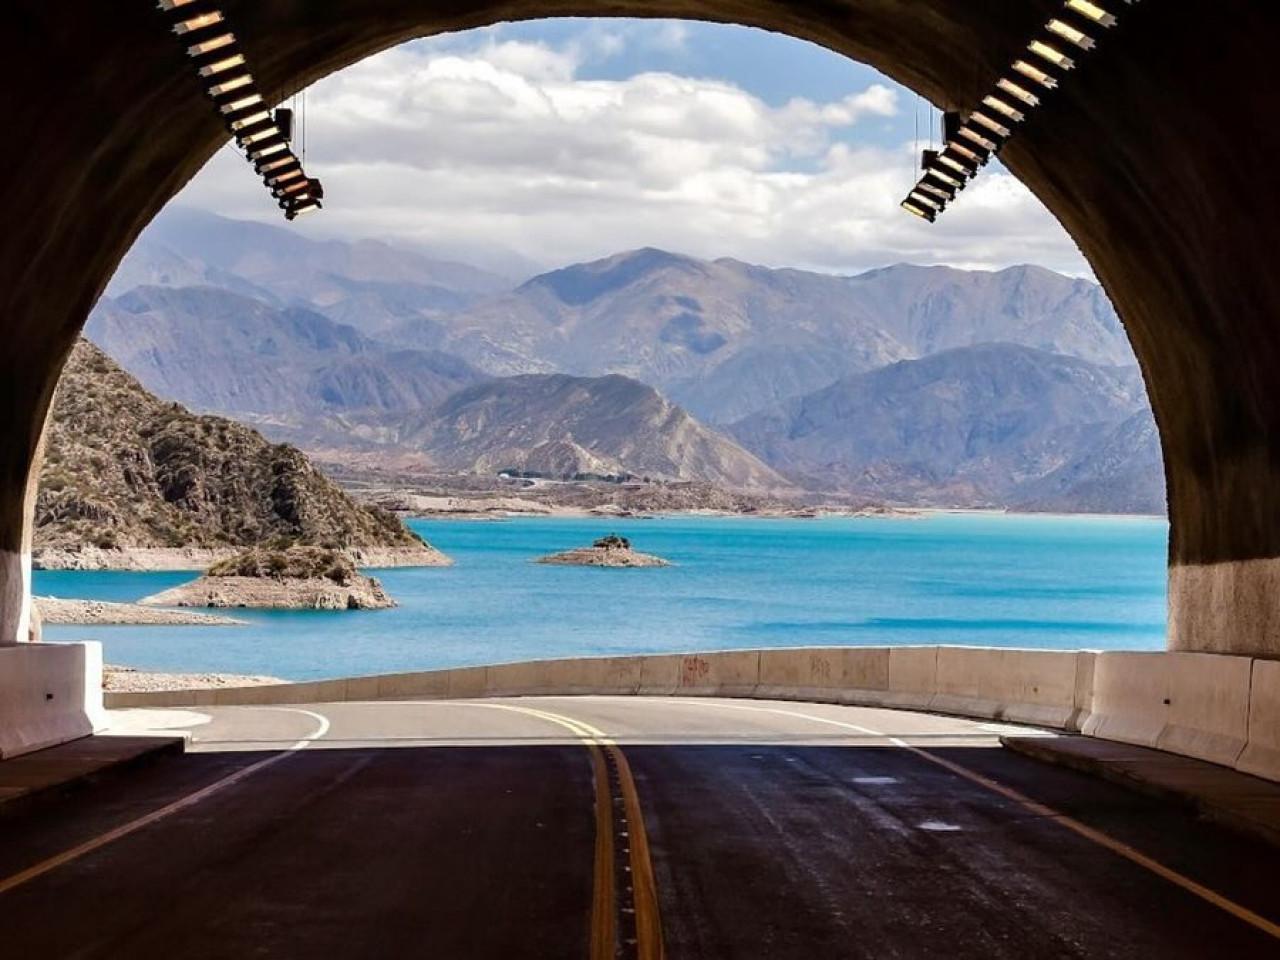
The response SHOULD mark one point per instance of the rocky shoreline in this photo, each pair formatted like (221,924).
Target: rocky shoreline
(56,611)
(130,680)
(158,559)
(314,593)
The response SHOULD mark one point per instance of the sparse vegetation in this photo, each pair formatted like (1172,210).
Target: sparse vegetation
(124,469)
(612,542)
(292,563)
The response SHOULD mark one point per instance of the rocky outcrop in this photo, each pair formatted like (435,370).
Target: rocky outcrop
(611,551)
(299,578)
(132,482)
(363,593)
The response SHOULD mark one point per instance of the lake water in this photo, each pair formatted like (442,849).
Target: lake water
(986,580)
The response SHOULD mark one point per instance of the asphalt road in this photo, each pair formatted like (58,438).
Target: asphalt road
(616,828)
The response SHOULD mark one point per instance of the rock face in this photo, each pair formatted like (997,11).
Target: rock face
(1123,473)
(300,578)
(611,551)
(125,471)
(559,426)
(967,427)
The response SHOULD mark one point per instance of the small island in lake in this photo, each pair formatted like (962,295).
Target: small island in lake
(610,551)
(291,578)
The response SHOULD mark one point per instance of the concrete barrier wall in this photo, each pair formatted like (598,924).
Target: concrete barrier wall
(1261,755)
(1195,704)
(1024,685)
(49,693)
(1218,708)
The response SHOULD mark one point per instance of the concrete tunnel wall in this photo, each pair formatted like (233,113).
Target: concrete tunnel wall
(1157,156)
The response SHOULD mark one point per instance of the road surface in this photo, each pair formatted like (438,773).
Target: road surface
(600,827)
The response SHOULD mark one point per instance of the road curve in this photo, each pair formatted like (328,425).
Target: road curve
(600,827)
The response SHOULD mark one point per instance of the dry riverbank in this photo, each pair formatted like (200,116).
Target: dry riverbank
(130,680)
(55,611)
(156,559)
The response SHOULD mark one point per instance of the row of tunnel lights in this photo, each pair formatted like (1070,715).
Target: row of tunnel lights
(264,135)
(970,143)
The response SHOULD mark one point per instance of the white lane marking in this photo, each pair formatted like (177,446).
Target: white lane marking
(1097,837)
(875,781)
(191,799)
(938,826)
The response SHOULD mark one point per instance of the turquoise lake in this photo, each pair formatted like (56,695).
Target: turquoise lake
(984,580)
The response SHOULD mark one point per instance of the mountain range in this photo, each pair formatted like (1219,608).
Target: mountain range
(913,384)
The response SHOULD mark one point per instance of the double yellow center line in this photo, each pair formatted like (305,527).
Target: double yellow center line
(644,888)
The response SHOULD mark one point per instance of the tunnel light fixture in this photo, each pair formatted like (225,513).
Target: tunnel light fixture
(1073,34)
(201,21)
(968,143)
(210,46)
(1091,11)
(223,65)
(1019,92)
(960,149)
(944,178)
(263,134)
(1032,72)
(938,192)
(244,103)
(286,177)
(920,198)
(249,120)
(974,136)
(223,71)
(995,126)
(293,213)
(956,165)
(1051,53)
(915,209)
(1004,108)
(230,85)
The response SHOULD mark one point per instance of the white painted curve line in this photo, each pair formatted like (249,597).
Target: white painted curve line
(190,800)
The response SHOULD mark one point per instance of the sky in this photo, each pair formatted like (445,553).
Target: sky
(542,144)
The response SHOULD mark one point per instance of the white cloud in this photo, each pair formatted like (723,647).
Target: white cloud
(503,145)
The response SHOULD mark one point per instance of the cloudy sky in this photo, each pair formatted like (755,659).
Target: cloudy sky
(562,141)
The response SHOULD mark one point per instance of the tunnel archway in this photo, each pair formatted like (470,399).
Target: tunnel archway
(1155,158)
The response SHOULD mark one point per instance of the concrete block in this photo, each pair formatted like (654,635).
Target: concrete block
(359,689)
(1132,695)
(50,693)
(530,678)
(912,677)
(1086,662)
(963,681)
(423,685)
(660,675)
(1209,713)
(1261,755)
(620,675)
(1020,686)
(733,673)
(468,682)
(865,679)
